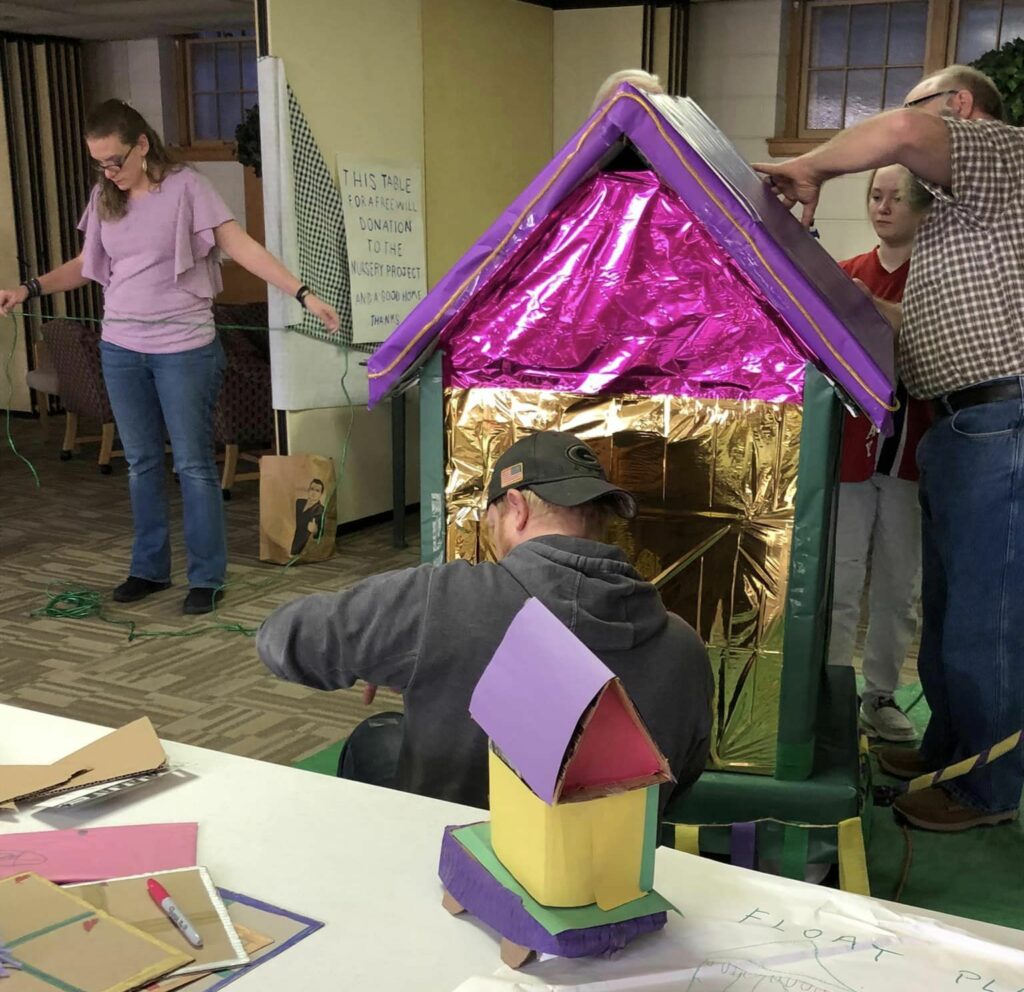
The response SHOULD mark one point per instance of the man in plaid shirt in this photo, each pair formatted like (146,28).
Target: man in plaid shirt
(961,345)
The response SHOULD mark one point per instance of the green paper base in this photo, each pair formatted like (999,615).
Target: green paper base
(476,838)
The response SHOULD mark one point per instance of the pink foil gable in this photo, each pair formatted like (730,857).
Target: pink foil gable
(620,290)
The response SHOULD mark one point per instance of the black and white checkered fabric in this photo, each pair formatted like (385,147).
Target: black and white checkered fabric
(963,308)
(320,223)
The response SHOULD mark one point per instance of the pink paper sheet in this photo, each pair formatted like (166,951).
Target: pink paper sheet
(93,854)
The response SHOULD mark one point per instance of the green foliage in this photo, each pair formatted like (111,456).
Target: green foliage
(247,135)
(1005,67)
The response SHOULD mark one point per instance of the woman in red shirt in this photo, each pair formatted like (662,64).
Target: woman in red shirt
(879,518)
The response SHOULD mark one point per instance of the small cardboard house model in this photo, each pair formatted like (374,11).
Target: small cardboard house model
(574,779)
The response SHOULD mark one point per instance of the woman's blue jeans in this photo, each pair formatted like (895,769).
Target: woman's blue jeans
(177,393)
(971,661)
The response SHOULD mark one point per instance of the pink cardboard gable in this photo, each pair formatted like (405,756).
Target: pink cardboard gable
(614,749)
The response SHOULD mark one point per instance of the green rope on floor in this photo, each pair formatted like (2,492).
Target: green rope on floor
(76,603)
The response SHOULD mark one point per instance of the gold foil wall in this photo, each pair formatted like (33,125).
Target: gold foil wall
(716,484)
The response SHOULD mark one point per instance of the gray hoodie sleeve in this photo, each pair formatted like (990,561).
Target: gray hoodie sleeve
(370,631)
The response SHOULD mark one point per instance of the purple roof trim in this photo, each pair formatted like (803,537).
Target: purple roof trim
(795,274)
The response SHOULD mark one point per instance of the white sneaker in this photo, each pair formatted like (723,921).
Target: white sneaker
(883,718)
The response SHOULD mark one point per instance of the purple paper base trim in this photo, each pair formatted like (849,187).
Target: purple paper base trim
(311,926)
(474,888)
(743,845)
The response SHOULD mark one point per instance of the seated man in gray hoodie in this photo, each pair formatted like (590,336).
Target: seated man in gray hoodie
(429,632)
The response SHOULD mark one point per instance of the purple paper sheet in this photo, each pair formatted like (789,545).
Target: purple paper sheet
(533,692)
(820,306)
(473,887)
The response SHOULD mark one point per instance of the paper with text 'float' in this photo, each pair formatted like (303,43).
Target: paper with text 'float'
(745,931)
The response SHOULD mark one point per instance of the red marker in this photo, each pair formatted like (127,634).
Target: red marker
(160,896)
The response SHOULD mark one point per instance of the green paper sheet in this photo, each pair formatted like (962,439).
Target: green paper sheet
(476,838)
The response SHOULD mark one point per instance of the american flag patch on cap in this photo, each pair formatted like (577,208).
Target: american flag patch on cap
(511,475)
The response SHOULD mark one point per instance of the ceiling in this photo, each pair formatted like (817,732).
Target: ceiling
(108,20)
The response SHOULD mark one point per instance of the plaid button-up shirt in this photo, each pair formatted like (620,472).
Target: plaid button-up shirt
(963,309)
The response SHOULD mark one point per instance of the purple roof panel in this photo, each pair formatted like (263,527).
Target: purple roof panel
(819,304)
(533,692)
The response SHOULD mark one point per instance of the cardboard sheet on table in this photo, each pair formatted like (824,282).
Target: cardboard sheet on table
(192,891)
(129,750)
(95,853)
(251,941)
(61,941)
(282,925)
(476,838)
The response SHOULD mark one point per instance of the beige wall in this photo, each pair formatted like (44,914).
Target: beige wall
(590,45)
(140,72)
(487,110)
(15,394)
(736,74)
(356,69)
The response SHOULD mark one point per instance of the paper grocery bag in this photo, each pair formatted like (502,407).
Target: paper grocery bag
(298,511)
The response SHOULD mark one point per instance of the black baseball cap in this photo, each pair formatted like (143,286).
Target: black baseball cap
(560,469)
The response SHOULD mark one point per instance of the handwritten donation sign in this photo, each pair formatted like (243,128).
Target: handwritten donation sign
(383,206)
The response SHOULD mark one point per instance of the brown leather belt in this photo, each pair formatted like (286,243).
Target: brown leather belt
(987,392)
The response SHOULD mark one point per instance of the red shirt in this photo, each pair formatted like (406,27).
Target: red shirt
(863,455)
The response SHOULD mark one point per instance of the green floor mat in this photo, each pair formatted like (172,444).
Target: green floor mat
(325,762)
(977,874)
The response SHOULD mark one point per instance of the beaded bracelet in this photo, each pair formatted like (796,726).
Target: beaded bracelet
(33,287)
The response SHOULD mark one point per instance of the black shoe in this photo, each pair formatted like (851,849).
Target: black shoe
(133,589)
(201,600)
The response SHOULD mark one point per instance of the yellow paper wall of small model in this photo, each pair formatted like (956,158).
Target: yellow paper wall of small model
(569,854)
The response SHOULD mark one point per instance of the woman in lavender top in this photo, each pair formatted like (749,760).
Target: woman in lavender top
(153,232)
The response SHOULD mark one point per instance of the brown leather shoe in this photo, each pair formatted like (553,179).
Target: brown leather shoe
(935,809)
(902,762)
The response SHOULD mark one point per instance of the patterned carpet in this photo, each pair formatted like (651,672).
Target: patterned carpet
(210,689)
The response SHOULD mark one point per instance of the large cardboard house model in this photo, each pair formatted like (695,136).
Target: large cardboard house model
(648,293)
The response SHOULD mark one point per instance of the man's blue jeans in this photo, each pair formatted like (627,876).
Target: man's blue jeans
(971,661)
(177,391)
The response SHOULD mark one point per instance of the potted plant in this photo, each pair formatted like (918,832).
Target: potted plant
(247,136)
(1005,67)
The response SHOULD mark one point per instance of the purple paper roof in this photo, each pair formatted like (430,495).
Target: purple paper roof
(533,692)
(830,318)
